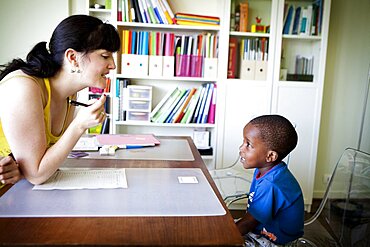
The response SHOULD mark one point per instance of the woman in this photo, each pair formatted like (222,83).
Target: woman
(37,123)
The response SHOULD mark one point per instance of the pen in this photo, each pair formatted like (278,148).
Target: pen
(134,146)
(76,103)
(11,155)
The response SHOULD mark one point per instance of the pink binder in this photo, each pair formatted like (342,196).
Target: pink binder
(127,139)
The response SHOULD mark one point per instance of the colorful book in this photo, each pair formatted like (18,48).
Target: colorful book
(212,108)
(233,54)
(200,17)
(207,105)
(288,20)
(297,17)
(194,23)
(243,23)
(141,11)
(169,10)
(152,15)
(202,106)
(119,11)
(178,106)
(192,104)
(171,109)
(199,104)
(161,103)
(216,22)
(172,104)
(185,106)
(166,105)
(165,12)
(156,11)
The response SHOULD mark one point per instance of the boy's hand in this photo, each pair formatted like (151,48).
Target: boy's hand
(246,224)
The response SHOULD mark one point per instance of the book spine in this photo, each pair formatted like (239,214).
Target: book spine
(243,17)
(233,53)
(170,12)
(212,110)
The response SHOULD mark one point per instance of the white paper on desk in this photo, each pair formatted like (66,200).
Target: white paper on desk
(86,143)
(82,178)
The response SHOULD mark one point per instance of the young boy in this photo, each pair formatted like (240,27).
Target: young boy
(275,210)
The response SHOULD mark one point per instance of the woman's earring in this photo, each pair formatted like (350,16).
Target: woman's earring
(75,69)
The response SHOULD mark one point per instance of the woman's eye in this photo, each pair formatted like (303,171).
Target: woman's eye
(106,56)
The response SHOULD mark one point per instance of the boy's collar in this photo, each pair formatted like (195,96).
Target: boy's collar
(260,175)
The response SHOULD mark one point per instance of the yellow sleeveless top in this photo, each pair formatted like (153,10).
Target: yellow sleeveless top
(50,138)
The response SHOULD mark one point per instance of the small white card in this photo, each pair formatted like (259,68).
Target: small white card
(188,180)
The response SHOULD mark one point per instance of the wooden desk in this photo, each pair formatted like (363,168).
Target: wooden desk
(125,231)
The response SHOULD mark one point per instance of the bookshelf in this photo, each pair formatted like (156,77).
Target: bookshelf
(297,97)
(274,87)
(161,83)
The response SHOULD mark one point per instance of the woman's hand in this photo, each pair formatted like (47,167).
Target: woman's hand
(9,171)
(92,115)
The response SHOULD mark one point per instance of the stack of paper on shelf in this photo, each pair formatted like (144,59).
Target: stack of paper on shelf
(196,20)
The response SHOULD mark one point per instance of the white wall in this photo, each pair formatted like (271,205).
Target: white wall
(348,61)
(23,23)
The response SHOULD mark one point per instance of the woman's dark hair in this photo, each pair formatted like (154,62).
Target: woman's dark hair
(82,33)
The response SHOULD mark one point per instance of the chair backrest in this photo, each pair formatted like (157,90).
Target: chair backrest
(346,203)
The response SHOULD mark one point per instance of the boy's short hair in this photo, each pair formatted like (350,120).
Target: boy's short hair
(277,133)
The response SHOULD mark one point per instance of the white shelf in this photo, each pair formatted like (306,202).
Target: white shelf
(301,37)
(108,11)
(167,27)
(176,125)
(175,78)
(249,34)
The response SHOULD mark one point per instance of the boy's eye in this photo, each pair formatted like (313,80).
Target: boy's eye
(246,144)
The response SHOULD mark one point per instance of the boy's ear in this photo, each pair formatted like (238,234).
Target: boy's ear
(272,156)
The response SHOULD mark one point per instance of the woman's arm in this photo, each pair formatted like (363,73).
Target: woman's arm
(24,126)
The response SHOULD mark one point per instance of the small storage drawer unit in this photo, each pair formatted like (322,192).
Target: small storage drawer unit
(139,92)
(137,116)
(139,103)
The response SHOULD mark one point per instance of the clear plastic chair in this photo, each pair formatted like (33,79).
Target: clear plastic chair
(233,182)
(343,217)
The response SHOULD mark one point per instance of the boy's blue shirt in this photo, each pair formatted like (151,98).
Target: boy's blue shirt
(276,202)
